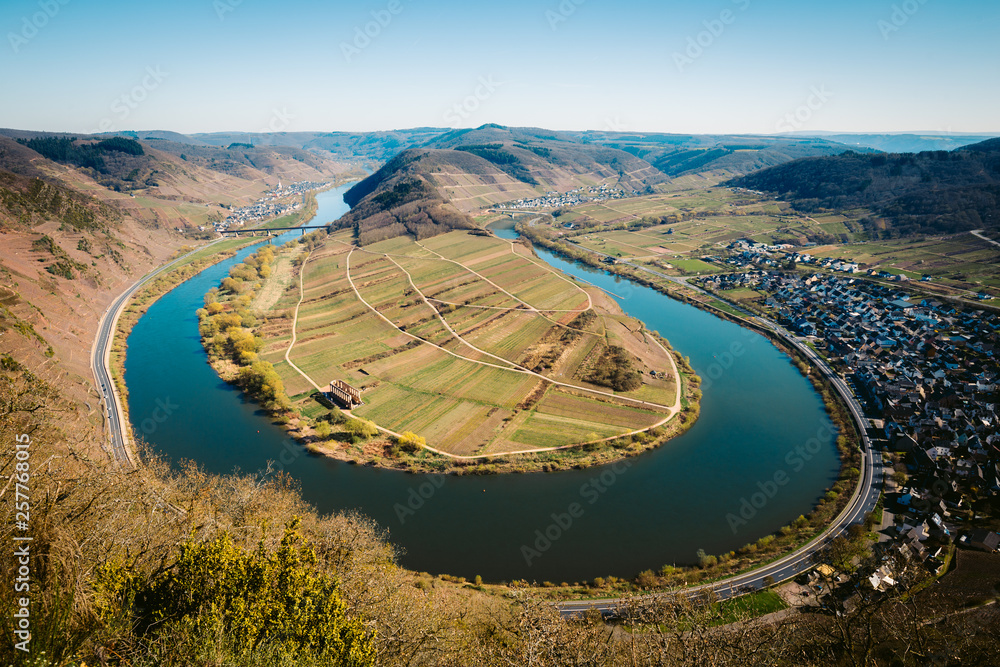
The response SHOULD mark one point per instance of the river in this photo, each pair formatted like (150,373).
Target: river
(759,417)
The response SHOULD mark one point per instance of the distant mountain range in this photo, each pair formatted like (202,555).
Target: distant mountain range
(674,154)
(431,189)
(433,179)
(931,192)
(905,142)
(157,163)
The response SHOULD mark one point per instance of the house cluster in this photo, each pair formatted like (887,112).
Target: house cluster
(927,374)
(745,253)
(747,191)
(841,265)
(584,195)
(273,204)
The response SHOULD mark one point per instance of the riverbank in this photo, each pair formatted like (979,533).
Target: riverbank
(789,538)
(212,254)
(148,295)
(326,432)
(665,505)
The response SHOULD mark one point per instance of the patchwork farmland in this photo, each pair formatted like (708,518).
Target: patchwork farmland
(471,342)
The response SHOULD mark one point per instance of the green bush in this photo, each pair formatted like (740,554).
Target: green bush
(361,428)
(411,442)
(615,369)
(279,603)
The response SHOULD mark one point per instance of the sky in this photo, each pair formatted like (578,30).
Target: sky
(722,66)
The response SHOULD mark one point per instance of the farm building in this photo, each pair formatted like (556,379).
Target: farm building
(344,394)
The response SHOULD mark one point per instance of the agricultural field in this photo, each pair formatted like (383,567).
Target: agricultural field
(962,261)
(694,224)
(469,341)
(698,225)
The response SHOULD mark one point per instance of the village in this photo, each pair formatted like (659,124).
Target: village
(270,205)
(575,197)
(926,373)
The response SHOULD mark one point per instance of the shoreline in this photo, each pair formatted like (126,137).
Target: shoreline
(667,580)
(847,441)
(138,303)
(384,451)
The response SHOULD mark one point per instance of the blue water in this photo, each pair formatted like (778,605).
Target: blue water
(655,509)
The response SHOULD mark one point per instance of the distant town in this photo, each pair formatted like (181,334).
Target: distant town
(584,195)
(927,375)
(270,205)
(748,254)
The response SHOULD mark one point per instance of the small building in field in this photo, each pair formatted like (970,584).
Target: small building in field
(344,395)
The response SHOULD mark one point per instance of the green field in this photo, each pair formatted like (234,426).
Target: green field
(704,220)
(455,339)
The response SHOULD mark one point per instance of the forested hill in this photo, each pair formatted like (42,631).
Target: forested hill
(434,189)
(399,199)
(933,192)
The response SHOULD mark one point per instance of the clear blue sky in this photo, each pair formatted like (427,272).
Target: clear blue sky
(755,66)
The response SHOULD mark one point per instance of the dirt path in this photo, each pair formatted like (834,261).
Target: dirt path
(672,410)
(295,321)
(978,233)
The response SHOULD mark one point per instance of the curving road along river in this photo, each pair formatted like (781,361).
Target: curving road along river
(658,508)
(100,363)
(863,500)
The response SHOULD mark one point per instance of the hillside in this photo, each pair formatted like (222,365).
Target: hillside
(673,154)
(379,146)
(729,155)
(911,193)
(902,142)
(76,231)
(401,198)
(550,160)
(165,168)
(433,189)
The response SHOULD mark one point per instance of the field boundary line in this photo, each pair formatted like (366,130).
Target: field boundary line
(447,326)
(295,321)
(590,301)
(530,308)
(672,411)
(516,369)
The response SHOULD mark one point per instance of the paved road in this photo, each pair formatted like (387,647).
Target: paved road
(863,501)
(978,233)
(100,362)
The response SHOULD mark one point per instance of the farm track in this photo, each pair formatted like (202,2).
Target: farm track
(671,410)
